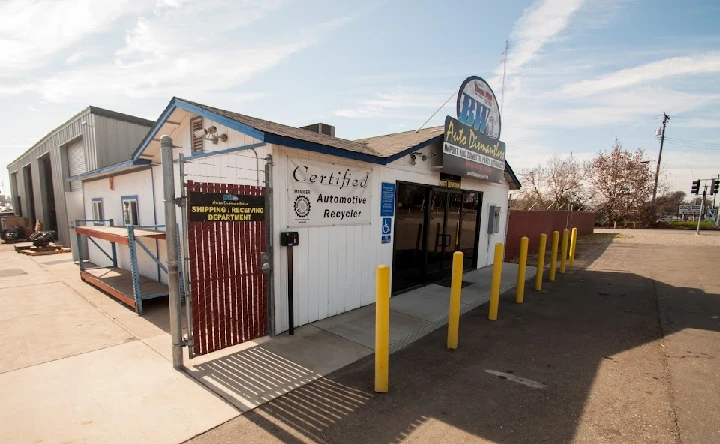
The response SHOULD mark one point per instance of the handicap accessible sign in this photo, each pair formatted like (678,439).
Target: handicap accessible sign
(386,230)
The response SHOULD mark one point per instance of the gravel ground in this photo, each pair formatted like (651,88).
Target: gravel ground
(664,237)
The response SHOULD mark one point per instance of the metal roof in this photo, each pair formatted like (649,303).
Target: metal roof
(89,110)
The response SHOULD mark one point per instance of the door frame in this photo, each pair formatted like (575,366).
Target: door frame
(428,189)
(448,191)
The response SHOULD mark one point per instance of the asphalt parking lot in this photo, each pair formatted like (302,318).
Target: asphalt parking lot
(623,348)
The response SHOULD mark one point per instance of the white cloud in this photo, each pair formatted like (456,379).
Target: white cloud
(666,68)
(189,75)
(159,57)
(398,103)
(698,123)
(539,25)
(627,107)
(32,33)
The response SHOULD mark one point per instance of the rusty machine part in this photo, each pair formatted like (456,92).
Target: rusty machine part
(42,238)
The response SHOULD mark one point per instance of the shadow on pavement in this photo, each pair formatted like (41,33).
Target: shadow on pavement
(560,338)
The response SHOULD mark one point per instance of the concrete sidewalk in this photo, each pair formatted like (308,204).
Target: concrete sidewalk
(256,372)
(70,372)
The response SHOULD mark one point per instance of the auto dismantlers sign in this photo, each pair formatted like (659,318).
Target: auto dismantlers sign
(225,207)
(323,194)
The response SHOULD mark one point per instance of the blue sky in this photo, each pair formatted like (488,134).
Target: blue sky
(579,73)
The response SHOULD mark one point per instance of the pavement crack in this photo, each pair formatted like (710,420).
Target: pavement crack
(691,356)
(666,365)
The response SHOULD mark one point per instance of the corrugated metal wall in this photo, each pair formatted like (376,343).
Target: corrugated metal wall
(104,144)
(52,144)
(76,163)
(119,139)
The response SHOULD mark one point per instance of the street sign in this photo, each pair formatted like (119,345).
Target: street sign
(689,210)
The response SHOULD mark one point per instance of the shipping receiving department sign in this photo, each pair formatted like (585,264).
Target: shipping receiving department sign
(323,194)
(225,207)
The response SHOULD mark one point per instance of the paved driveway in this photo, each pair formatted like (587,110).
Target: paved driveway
(621,349)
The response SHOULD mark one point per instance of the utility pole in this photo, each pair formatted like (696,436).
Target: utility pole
(657,168)
(171,237)
(702,209)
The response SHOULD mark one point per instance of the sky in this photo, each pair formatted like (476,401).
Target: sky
(579,73)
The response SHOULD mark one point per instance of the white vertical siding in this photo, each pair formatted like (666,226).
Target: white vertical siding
(138,184)
(334,268)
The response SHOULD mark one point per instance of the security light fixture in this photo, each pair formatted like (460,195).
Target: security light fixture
(210,134)
(415,156)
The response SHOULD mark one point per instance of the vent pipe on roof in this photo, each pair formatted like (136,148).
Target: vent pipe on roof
(321,128)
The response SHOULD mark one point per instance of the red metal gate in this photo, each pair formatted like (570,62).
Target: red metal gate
(229,298)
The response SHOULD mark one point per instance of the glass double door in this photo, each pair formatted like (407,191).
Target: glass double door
(452,226)
(431,224)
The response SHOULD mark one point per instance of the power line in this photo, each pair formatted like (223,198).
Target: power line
(694,142)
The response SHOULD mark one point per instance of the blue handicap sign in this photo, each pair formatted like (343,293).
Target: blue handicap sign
(386,230)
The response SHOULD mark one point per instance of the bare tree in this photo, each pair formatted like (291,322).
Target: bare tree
(554,185)
(621,182)
(668,204)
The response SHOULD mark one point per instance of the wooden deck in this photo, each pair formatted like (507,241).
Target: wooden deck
(119,284)
(117,234)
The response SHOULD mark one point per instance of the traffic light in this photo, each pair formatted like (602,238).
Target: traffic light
(695,187)
(714,186)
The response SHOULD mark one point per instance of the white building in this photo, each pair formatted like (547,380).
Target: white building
(342,234)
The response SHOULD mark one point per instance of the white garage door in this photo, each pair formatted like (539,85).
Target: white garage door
(76,163)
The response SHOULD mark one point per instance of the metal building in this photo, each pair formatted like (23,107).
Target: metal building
(92,139)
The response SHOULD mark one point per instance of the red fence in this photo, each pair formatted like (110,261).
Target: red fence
(229,302)
(534,223)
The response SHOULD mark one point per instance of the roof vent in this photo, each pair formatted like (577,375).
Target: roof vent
(322,128)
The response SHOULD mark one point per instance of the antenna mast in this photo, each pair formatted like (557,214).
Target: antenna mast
(504,62)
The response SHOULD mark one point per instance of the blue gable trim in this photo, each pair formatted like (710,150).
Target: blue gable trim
(230,123)
(109,169)
(412,149)
(154,130)
(177,103)
(323,149)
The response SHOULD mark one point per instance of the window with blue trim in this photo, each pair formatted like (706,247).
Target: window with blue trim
(130,210)
(98,211)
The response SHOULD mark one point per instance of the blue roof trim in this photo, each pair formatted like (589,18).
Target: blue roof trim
(510,171)
(412,149)
(155,128)
(178,103)
(109,169)
(323,149)
(230,123)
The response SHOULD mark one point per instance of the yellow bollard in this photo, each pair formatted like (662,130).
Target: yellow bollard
(564,251)
(553,255)
(382,328)
(455,289)
(495,286)
(573,244)
(541,262)
(520,296)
